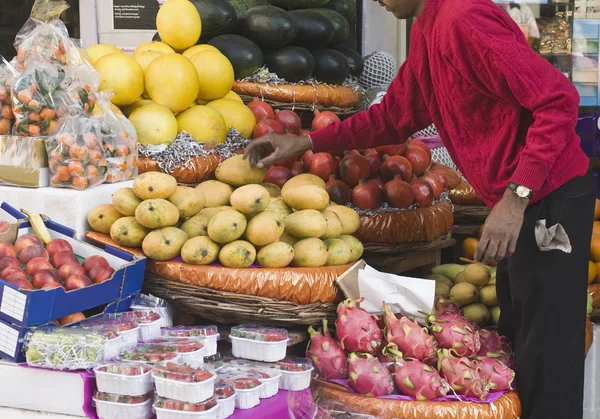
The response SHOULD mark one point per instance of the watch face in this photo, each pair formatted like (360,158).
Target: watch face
(523,192)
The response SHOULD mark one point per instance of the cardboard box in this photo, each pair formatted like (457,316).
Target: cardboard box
(23,161)
(31,308)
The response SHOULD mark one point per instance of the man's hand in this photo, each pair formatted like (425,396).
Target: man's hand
(502,229)
(271,148)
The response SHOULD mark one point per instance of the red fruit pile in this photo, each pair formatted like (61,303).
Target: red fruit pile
(29,265)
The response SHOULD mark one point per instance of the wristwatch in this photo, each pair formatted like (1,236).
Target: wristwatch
(521,191)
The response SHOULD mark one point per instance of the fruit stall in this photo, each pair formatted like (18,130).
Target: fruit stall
(148,270)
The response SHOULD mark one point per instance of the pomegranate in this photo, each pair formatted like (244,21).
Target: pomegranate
(267,126)
(297,168)
(307,159)
(323,119)
(287,162)
(392,150)
(423,192)
(323,165)
(422,146)
(338,191)
(290,121)
(353,168)
(377,181)
(366,195)
(374,159)
(278,175)
(434,183)
(261,109)
(396,165)
(418,159)
(398,193)
(441,177)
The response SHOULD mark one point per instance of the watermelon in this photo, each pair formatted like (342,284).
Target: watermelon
(245,56)
(314,28)
(298,4)
(241,6)
(218,18)
(355,61)
(331,66)
(293,64)
(269,27)
(346,8)
(341,28)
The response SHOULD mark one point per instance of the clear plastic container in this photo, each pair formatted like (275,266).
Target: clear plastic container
(181,382)
(150,323)
(210,333)
(296,373)
(149,354)
(247,388)
(126,327)
(114,406)
(191,350)
(128,379)
(225,393)
(259,343)
(270,377)
(175,409)
(145,302)
(166,313)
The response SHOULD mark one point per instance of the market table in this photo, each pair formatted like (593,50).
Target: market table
(65,206)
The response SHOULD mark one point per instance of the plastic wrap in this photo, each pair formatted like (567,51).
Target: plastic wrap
(182,382)
(7,117)
(319,94)
(76,156)
(297,285)
(170,408)
(464,194)
(454,178)
(196,170)
(334,397)
(149,354)
(418,225)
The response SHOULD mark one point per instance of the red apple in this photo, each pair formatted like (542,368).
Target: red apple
(71,318)
(27,240)
(60,258)
(43,277)
(91,262)
(8,261)
(36,265)
(101,273)
(58,245)
(16,275)
(75,282)
(51,285)
(70,269)
(33,252)
(9,270)
(4,226)
(7,249)
(20,282)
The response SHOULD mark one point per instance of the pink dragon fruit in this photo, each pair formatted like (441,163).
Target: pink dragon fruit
(495,346)
(327,356)
(409,337)
(388,352)
(443,305)
(497,375)
(416,379)
(368,376)
(356,329)
(453,331)
(465,376)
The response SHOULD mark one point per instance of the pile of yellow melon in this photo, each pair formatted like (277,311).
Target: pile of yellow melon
(173,86)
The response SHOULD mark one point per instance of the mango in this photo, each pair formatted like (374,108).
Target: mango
(196,226)
(102,217)
(238,254)
(236,171)
(216,193)
(212,211)
(227,226)
(301,180)
(200,251)
(274,190)
(128,232)
(305,224)
(338,252)
(264,228)
(126,201)
(307,197)
(250,199)
(310,253)
(189,201)
(275,255)
(152,185)
(356,247)
(164,244)
(157,213)
(279,207)
(349,218)
(334,225)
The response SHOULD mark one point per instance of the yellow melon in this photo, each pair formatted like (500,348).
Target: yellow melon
(179,24)
(237,115)
(188,53)
(154,124)
(172,81)
(154,46)
(95,52)
(206,125)
(215,74)
(123,76)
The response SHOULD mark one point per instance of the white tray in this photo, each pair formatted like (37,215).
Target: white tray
(247,399)
(110,410)
(149,331)
(125,385)
(174,414)
(112,348)
(295,380)
(258,351)
(193,359)
(226,407)
(185,392)
(130,338)
(270,385)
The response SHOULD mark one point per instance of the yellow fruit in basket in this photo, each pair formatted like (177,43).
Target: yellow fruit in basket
(128,110)
(217,193)
(164,243)
(95,52)
(172,81)
(126,201)
(128,232)
(215,73)
(200,251)
(275,255)
(190,52)
(236,114)
(250,199)
(264,228)
(238,254)
(279,207)
(301,180)
(307,197)
(227,226)
(206,125)
(356,247)
(338,252)
(102,217)
(188,201)
(288,238)
(157,213)
(310,253)
(233,96)
(154,124)
(334,225)
(123,76)
(349,218)
(237,171)
(477,274)
(144,58)
(196,226)
(210,212)
(179,24)
(305,224)
(488,296)
(151,185)
(154,46)
(477,313)
(273,190)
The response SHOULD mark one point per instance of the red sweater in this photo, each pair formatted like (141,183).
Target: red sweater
(504,113)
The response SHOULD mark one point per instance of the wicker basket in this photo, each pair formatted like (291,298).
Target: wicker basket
(470,214)
(394,249)
(229,308)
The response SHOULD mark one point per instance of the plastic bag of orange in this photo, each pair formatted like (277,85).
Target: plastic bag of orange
(7,117)
(76,156)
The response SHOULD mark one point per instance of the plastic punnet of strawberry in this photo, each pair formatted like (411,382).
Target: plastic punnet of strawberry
(242,380)
(169,404)
(127,369)
(224,388)
(117,398)
(246,365)
(120,324)
(182,372)
(189,331)
(182,345)
(150,354)
(295,364)
(147,316)
(259,333)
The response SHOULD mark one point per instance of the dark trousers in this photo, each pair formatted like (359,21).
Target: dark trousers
(542,297)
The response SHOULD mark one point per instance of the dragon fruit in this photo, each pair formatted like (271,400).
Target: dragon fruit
(416,379)
(389,353)
(409,337)
(498,375)
(368,376)
(453,331)
(495,346)
(356,329)
(443,305)
(327,356)
(465,376)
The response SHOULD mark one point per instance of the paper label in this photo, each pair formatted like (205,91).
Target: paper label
(9,339)
(13,303)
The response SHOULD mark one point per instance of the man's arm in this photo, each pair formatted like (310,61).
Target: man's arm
(401,113)
(487,49)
